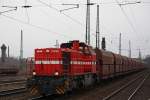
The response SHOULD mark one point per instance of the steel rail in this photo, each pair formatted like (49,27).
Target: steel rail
(8,83)
(36,98)
(12,91)
(138,87)
(121,88)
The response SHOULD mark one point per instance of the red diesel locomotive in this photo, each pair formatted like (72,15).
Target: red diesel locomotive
(58,70)
(76,65)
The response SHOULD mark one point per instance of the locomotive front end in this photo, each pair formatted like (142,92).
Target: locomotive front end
(48,77)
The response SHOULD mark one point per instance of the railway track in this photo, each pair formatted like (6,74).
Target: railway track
(14,94)
(12,78)
(12,91)
(8,81)
(12,85)
(138,87)
(36,98)
(127,91)
(98,92)
(12,82)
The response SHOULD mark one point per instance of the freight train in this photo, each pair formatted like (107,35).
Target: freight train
(76,65)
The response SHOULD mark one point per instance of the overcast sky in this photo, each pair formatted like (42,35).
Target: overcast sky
(43,24)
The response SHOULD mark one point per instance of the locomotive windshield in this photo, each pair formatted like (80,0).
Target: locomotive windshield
(70,44)
(66,45)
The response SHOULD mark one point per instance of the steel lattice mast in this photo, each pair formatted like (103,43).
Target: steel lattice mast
(97,29)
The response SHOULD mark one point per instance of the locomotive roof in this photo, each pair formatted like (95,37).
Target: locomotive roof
(107,57)
(103,51)
(70,44)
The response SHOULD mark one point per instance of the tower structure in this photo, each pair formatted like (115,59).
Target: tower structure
(21,46)
(140,56)
(120,43)
(8,52)
(129,49)
(21,50)
(97,29)
(87,37)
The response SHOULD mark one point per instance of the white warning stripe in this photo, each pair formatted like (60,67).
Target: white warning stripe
(49,62)
(72,62)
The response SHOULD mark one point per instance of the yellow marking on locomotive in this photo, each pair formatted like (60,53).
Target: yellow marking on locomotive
(60,90)
(34,90)
(57,90)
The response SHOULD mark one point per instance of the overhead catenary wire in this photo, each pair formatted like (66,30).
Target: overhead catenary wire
(133,16)
(65,15)
(35,26)
(25,4)
(71,18)
(49,5)
(129,21)
(74,20)
(59,11)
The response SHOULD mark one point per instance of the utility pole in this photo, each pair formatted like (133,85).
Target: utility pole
(8,51)
(21,49)
(97,29)
(87,36)
(120,44)
(57,44)
(87,23)
(21,46)
(129,49)
(140,56)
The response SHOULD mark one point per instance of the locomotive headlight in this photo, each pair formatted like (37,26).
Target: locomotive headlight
(56,73)
(34,73)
